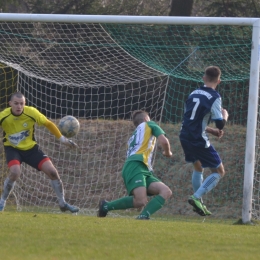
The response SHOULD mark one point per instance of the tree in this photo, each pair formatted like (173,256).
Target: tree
(102,7)
(181,8)
(55,6)
(135,7)
(50,6)
(215,8)
(12,6)
(236,8)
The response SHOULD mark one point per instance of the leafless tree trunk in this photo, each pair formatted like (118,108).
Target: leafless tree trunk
(181,8)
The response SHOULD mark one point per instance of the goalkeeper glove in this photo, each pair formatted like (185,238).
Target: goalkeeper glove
(68,142)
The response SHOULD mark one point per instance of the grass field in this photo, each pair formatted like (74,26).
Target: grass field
(179,234)
(26,236)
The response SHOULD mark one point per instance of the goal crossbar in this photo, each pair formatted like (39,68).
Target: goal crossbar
(126,19)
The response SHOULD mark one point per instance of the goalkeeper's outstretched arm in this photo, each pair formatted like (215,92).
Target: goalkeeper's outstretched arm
(56,132)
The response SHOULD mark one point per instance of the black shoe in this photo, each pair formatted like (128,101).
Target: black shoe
(142,217)
(102,212)
(207,212)
(198,212)
(197,205)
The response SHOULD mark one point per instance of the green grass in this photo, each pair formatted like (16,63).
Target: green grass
(65,236)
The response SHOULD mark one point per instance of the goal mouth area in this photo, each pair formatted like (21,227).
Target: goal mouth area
(101,68)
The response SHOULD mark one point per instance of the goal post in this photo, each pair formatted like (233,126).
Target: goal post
(252,127)
(101,68)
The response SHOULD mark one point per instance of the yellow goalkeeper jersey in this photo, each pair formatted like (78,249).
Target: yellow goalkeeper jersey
(19,130)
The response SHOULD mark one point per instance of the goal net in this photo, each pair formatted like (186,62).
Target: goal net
(100,73)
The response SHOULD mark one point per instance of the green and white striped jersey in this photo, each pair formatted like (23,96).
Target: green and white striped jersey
(142,142)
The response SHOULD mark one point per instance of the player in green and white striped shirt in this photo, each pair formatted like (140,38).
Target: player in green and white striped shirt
(137,171)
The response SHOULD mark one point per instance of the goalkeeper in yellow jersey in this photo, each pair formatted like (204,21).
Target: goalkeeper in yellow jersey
(137,172)
(18,124)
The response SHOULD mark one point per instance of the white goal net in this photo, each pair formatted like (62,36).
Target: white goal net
(99,72)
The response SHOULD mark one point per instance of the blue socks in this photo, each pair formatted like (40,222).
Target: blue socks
(210,182)
(197,179)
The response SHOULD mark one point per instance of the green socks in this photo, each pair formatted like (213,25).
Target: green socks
(152,206)
(122,203)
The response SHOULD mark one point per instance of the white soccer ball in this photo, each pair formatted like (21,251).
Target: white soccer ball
(69,126)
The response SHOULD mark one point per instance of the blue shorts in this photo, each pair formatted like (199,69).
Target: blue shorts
(208,157)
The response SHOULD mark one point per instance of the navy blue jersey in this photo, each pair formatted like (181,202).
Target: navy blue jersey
(202,105)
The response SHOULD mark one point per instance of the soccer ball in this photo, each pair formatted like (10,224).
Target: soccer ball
(69,126)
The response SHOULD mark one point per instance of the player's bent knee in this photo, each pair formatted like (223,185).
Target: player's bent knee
(222,173)
(166,193)
(221,170)
(138,203)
